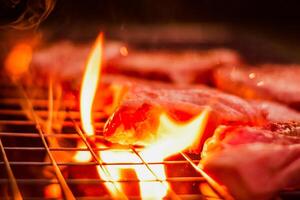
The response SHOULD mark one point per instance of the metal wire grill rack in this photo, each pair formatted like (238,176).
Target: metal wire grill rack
(25,145)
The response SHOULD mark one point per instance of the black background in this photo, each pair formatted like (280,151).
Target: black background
(279,19)
(279,14)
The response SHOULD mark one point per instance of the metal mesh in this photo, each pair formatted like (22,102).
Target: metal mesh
(29,162)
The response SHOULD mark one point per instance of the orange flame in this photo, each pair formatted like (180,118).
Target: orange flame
(173,138)
(149,186)
(18,60)
(89,85)
(88,90)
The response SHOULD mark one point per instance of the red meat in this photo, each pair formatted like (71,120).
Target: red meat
(136,119)
(67,60)
(272,82)
(277,112)
(254,163)
(113,88)
(178,67)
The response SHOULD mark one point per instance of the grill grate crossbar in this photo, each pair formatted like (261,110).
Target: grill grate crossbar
(99,161)
(13,183)
(66,190)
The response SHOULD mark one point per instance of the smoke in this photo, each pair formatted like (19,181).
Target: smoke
(36,11)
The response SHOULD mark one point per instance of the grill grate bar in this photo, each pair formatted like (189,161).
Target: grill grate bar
(13,183)
(27,122)
(97,181)
(187,197)
(19,163)
(44,113)
(98,160)
(36,135)
(173,162)
(218,188)
(66,190)
(172,193)
(35,102)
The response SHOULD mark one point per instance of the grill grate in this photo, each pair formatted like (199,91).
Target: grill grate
(25,144)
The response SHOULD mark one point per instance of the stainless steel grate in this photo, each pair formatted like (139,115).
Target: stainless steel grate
(25,144)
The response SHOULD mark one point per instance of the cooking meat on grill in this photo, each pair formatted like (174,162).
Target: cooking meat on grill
(272,82)
(178,67)
(254,163)
(136,119)
(68,59)
(277,112)
(114,87)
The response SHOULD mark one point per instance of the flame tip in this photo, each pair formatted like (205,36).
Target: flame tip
(89,84)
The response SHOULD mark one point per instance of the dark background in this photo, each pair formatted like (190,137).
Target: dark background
(281,17)
(279,20)
(167,11)
(259,12)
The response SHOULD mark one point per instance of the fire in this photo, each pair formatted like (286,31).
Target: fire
(150,187)
(18,60)
(89,85)
(88,90)
(173,138)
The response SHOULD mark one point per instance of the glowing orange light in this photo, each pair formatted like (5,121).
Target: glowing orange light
(150,188)
(221,189)
(88,89)
(124,51)
(82,156)
(207,191)
(18,60)
(173,137)
(89,85)
(53,191)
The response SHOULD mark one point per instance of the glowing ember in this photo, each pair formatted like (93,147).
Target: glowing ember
(18,60)
(123,51)
(53,191)
(173,137)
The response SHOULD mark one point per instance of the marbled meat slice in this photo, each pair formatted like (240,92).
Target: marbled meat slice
(272,82)
(113,88)
(179,67)
(277,112)
(67,59)
(64,62)
(254,163)
(137,117)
